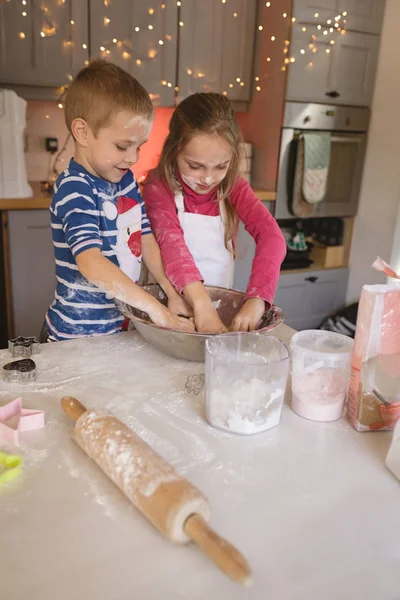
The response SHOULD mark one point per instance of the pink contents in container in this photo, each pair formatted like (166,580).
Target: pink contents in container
(320,374)
(319,396)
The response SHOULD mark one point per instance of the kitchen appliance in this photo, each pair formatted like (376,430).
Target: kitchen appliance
(347,127)
(191,346)
(13,181)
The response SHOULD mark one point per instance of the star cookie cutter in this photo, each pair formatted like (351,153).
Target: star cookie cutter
(10,466)
(23,346)
(20,371)
(15,420)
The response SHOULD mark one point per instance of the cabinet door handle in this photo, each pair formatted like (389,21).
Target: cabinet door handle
(311,279)
(333,94)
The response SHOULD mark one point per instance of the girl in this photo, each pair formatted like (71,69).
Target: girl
(194,200)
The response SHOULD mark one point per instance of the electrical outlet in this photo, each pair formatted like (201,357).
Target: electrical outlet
(34,143)
(51,144)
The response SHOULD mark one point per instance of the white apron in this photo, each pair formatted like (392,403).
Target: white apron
(128,247)
(204,237)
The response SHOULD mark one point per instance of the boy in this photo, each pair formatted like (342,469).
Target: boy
(99,224)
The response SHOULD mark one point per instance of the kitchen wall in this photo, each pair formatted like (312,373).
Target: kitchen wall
(45,119)
(376,232)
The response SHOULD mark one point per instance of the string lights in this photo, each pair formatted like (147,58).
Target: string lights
(316,38)
(312,44)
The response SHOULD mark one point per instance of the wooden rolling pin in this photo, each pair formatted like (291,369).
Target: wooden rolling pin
(170,502)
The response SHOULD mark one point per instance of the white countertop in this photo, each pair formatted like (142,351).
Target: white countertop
(310,505)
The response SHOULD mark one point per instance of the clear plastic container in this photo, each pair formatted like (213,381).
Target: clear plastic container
(246,376)
(320,374)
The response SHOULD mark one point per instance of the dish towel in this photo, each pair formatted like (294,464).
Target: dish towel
(297,204)
(317,155)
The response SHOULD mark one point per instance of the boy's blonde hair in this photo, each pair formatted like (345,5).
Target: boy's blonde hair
(204,113)
(102,90)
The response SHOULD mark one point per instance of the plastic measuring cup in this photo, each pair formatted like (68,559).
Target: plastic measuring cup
(246,376)
(320,373)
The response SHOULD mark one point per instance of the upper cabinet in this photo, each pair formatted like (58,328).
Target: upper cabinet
(360,15)
(363,15)
(354,64)
(42,43)
(174,48)
(216,45)
(313,11)
(141,37)
(336,68)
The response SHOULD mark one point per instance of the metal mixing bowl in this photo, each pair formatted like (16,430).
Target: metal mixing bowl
(191,346)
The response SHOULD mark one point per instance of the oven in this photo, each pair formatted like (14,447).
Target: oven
(347,127)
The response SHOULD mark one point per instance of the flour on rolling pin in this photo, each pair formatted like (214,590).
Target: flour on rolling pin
(124,459)
(140,473)
(170,502)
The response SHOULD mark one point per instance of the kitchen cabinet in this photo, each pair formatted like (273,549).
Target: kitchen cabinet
(141,37)
(307,298)
(32,267)
(42,44)
(172,48)
(314,11)
(342,72)
(216,47)
(245,250)
(362,15)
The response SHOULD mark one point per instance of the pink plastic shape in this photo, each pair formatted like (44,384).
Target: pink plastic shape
(14,419)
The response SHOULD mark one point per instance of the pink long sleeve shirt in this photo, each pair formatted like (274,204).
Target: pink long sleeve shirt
(179,264)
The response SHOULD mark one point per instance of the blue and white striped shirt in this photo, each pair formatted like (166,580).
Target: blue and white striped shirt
(83,215)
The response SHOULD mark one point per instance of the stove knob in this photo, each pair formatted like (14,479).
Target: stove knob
(306,119)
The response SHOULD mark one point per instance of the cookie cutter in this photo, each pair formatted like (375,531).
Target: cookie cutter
(20,371)
(10,466)
(14,420)
(23,346)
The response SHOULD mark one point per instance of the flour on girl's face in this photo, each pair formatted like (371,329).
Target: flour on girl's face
(204,162)
(197,184)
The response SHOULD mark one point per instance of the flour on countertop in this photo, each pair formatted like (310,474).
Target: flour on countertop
(144,389)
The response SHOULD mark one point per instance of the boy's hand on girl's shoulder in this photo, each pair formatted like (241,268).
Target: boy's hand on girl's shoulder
(249,315)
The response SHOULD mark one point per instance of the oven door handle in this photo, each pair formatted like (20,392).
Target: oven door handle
(347,140)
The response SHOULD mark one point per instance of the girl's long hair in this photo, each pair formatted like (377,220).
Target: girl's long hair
(204,113)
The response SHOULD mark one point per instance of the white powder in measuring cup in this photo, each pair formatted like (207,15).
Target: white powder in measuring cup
(320,395)
(245,407)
